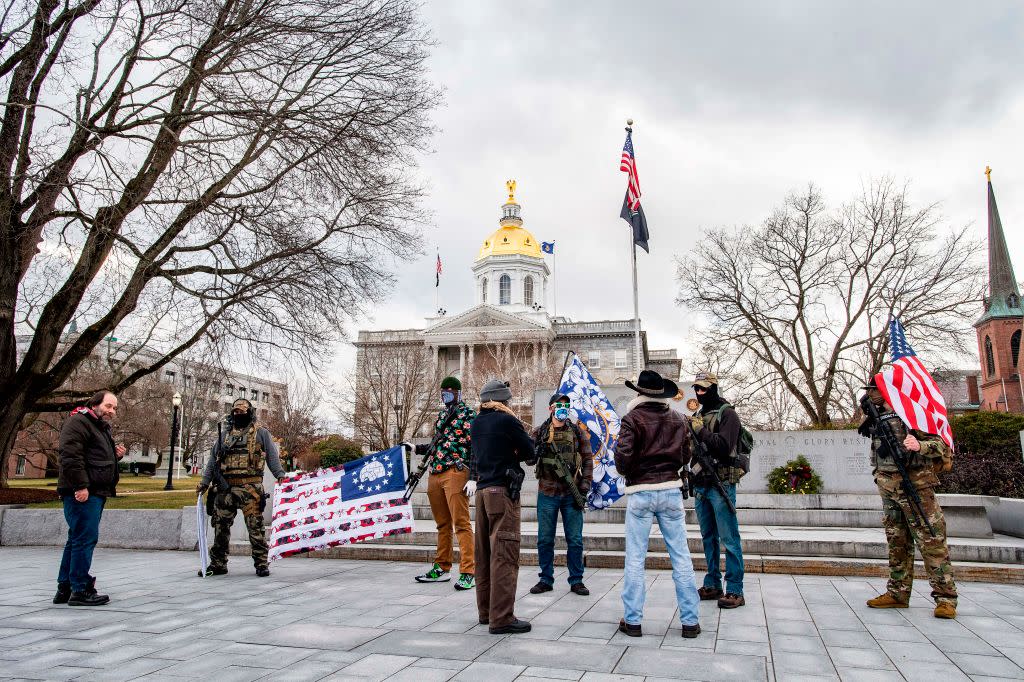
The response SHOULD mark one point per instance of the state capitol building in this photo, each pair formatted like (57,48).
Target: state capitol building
(509,333)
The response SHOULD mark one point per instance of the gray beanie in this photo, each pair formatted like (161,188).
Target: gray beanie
(495,390)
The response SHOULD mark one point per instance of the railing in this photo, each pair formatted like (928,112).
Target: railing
(390,335)
(670,354)
(603,326)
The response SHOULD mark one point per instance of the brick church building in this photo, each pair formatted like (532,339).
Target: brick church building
(1000,326)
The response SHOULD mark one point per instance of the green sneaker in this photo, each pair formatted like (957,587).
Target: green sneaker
(435,575)
(466,581)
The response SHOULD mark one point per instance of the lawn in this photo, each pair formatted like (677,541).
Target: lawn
(133,492)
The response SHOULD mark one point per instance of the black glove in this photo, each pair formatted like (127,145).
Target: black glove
(865,428)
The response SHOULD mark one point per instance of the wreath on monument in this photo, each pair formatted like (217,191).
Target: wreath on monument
(795,477)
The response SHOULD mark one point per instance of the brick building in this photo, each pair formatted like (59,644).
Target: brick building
(1000,326)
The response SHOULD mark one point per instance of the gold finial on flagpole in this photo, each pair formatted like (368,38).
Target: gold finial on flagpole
(988,173)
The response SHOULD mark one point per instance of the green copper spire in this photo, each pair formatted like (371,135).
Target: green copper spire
(1003,299)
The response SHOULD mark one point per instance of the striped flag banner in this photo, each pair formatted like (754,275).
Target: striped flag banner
(355,502)
(910,390)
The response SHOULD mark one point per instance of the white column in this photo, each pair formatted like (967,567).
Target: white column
(536,357)
(462,361)
(545,350)
(469,373)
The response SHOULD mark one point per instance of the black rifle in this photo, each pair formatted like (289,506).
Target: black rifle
(564,473)
(416,476)
(703,464)
(894,450)
(220,483)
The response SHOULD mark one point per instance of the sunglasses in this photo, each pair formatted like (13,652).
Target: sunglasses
(561,405)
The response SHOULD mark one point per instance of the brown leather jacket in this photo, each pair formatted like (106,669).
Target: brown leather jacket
(653,445)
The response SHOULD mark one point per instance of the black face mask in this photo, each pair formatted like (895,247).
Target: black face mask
(710,397)
(240,421)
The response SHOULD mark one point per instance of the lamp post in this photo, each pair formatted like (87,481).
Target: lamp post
(398,422)
(176,402)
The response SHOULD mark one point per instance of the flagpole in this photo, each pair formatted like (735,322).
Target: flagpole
(636,296)
(554,274)
(437,283)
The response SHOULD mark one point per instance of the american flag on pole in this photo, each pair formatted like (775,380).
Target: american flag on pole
(910,390)
(632,212)
(438,282)
(355,502)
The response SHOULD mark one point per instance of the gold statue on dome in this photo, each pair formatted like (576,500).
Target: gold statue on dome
(988,173)
(511,184)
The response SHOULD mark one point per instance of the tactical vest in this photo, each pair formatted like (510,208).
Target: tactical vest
(726,473)
(914,460)
(564,443)
(242,454)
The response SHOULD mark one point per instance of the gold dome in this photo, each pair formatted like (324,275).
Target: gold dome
(511,239)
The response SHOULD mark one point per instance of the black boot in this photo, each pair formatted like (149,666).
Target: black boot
(63,593)
(91,587)
(215,570)
(86,599)
(262,571)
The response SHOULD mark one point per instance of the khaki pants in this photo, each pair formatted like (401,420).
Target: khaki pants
(497,545)
(450,507)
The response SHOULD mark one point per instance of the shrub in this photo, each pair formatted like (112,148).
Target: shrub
(335,450)
(987,460)
(795,477)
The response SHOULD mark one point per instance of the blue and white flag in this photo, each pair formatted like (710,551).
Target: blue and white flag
(547,247)
(358,501)
(592,410)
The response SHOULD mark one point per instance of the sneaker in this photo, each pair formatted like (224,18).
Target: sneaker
(516,627)
(709,593)
(691,631)
(466,581)
(630,630)
(541,587)
(436,574)
(731,601)
(887,601)
(87,599)
(263,571)
(944,609)
(580,589)
(63,593)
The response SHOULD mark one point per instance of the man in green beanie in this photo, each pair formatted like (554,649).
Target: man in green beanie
(449,486)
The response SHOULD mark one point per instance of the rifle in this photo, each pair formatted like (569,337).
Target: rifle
(894,449)
(704,464)
(562,469)
(219,481)
(415,477)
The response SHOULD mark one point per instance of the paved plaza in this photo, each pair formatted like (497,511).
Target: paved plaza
(319,619)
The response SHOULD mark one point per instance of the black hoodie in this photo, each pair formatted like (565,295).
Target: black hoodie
(726,435)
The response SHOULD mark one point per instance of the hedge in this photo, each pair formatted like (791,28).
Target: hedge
(988,457)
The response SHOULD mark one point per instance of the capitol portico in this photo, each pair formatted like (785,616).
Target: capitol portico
(510,332)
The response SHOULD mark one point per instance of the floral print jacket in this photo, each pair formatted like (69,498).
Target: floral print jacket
(453,446)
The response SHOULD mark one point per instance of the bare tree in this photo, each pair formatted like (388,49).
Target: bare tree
(174,170)
(298,422)
(807,295)
(393,392)
(516,364)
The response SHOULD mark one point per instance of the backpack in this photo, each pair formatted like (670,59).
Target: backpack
(745,444)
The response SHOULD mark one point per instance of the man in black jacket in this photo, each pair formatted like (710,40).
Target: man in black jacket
(718,427)
(87,477)
(500,443)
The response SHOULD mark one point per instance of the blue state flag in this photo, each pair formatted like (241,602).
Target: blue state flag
(593,411)
(547,247)
(377,474)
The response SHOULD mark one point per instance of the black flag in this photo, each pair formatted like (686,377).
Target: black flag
(637,221)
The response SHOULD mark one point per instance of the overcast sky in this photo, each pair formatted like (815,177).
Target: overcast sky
(735,104)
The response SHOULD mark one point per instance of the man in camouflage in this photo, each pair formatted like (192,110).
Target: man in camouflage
(925,455)
(245,448)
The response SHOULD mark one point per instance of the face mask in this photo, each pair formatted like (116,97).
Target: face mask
(240,421)
(561,413)
(447,397)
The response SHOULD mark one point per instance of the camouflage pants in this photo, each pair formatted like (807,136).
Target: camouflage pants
(903,528)
(246,497)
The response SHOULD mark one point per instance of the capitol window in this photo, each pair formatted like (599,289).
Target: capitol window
(594,359)
(528,290)
(505,290)
(620,358)
(483,290)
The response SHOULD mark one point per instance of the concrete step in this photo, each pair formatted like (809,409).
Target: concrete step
(778,541)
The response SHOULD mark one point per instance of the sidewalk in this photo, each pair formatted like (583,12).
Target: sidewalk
(350,620)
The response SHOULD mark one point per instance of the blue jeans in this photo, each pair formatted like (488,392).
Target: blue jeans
(548,507)
(83,532)
(641,509)
(719,525)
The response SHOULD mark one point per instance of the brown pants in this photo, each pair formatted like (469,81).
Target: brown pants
(497,545)
(450,507)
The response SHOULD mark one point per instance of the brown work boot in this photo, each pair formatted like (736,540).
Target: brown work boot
(944,609)
(887,601)
(731,601)
(709,593)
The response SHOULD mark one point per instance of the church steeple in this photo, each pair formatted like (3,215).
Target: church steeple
(1003,299)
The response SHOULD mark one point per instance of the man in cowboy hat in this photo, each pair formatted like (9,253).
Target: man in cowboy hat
(653,448)
(718,427)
